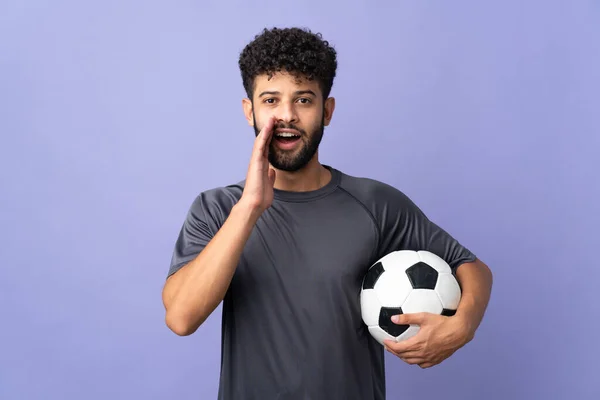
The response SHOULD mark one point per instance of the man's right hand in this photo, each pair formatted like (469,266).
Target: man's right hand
(258,190)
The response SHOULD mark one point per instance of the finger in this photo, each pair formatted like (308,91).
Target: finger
(260,143)
(411,318)
(414,360)
(410,354)
(413,357)
(405,346)
(264,138)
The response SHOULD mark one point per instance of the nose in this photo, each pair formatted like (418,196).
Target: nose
(286,113)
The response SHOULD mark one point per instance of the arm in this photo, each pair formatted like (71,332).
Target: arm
(476,280)
(439,337)
(191,294)
(407,227)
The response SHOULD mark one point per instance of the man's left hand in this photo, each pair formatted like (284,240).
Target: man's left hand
(438,338)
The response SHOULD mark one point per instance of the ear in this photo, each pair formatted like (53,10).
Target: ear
(329,107)
(247,106)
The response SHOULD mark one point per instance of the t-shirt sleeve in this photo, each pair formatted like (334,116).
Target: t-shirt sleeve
(193,237)
(404,226)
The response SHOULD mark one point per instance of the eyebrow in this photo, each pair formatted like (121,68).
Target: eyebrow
(298,92)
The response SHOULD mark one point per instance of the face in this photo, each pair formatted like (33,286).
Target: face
(301,117)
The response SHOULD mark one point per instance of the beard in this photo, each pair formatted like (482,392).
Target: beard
(294,160)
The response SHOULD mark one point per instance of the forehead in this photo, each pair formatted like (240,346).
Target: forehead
(284,83)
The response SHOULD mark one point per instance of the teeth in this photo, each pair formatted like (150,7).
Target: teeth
(286,134)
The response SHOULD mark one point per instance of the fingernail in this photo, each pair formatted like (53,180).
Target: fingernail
(395,318)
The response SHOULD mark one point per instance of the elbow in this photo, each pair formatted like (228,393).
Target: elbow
(180,326)
(489,273)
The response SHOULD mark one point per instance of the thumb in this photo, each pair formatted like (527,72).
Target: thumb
(409,319)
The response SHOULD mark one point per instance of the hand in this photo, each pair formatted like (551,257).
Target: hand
(258,190)
(438,338)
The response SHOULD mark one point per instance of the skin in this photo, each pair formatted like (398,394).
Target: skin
(289,101)
(191,294)
(439,336)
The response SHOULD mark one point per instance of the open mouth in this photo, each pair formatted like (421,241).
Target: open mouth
(286,137)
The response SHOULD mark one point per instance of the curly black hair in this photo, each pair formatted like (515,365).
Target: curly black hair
(294,50)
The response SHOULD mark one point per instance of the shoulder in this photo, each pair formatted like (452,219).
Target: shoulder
(372,192)
(222,196)
(215,204)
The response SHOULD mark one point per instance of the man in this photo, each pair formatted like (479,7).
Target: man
(286,249)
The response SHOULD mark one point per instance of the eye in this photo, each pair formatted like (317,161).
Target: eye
(269,100)
(304,100)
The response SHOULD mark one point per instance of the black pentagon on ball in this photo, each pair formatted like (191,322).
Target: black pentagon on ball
(422,276)
(448,313)
(385,321)
(372,275)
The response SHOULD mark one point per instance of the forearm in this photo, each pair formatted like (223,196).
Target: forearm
(195,291)
(476,284)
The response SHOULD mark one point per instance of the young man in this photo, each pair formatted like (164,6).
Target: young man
(287,248)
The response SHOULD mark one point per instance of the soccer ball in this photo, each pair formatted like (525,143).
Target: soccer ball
(403,282)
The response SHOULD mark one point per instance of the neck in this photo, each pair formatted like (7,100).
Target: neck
(313,176)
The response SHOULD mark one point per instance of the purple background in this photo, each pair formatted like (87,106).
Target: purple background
(114,115)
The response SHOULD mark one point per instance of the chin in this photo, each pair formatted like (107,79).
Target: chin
(287,167)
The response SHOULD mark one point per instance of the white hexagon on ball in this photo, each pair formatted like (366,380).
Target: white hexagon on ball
(370,307)
(448,290)
(392,288)
(400,260)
